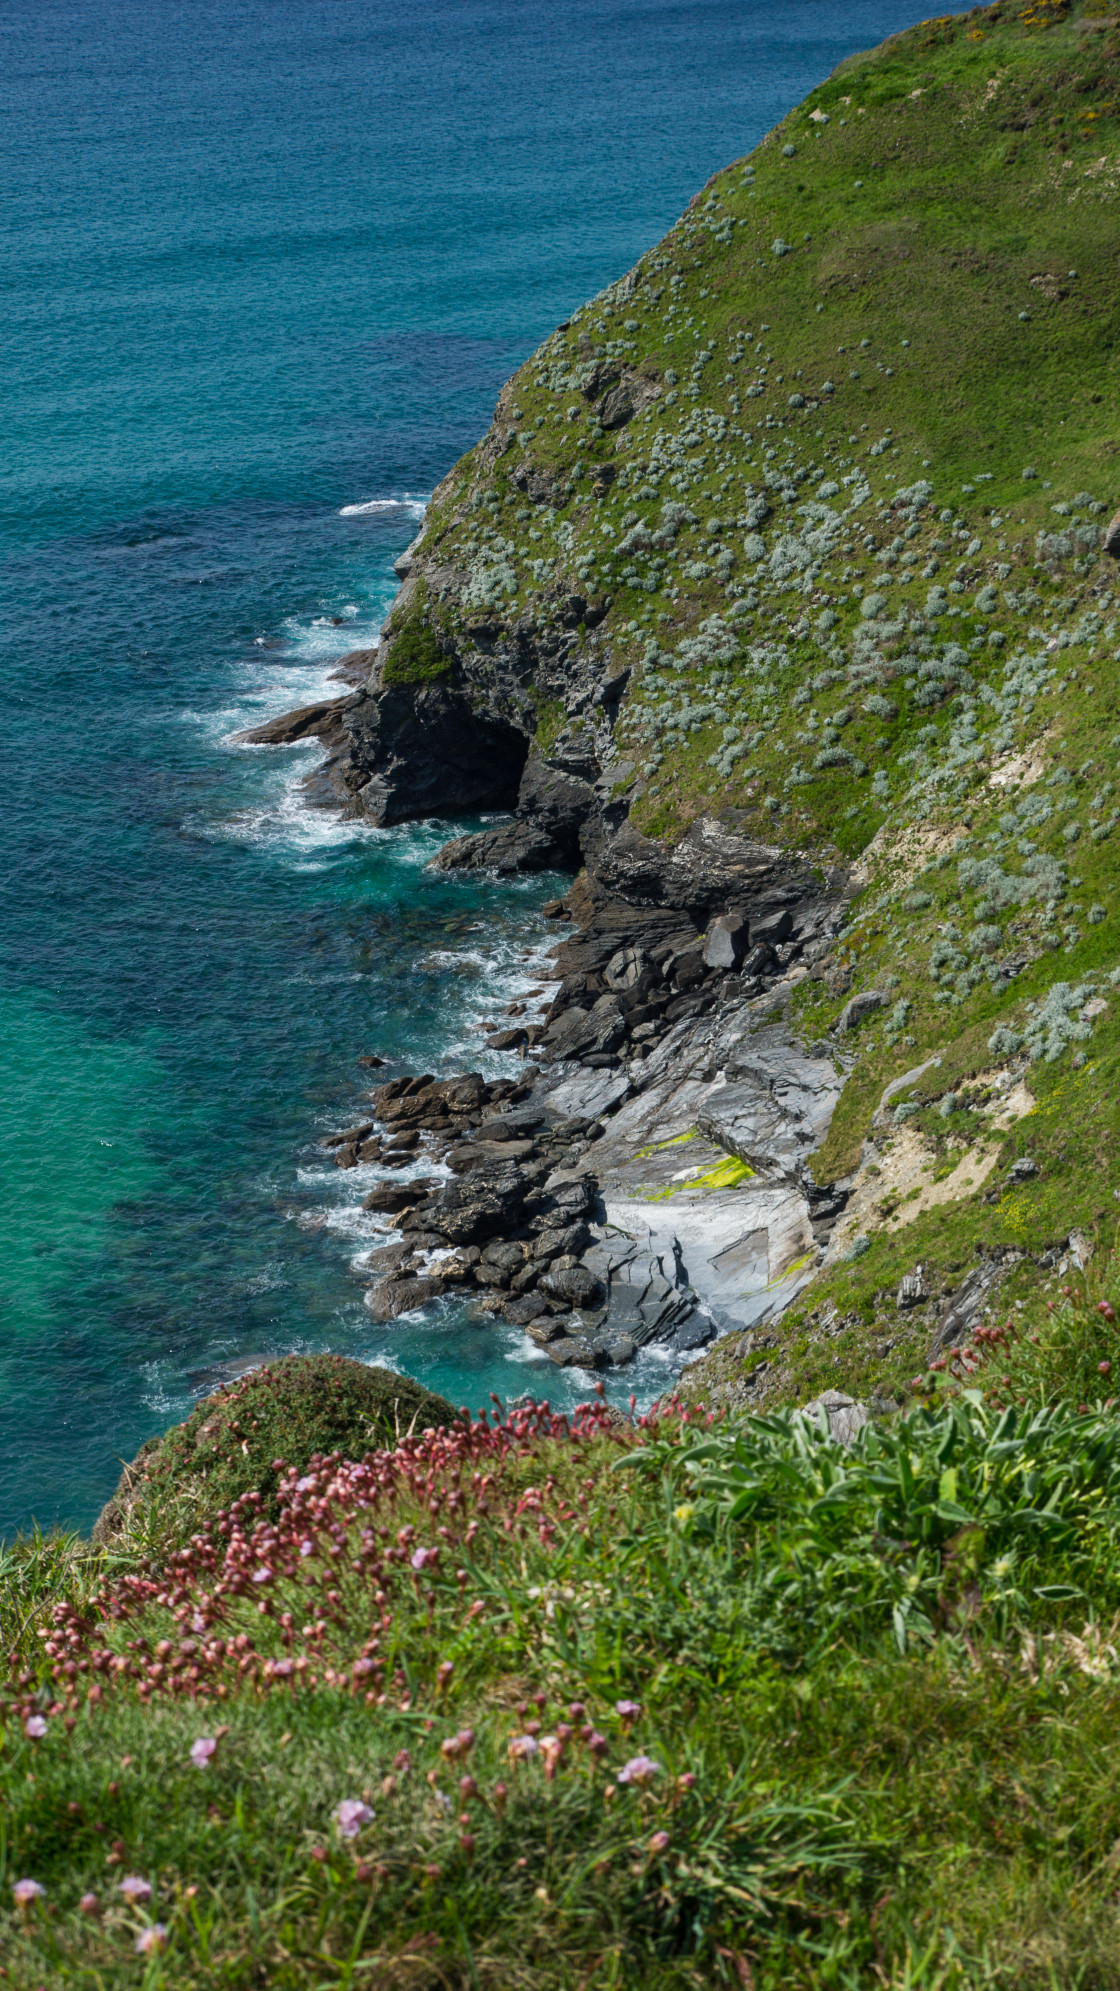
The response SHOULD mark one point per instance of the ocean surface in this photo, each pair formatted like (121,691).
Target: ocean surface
(265,266)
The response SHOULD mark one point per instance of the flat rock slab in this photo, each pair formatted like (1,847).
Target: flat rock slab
(587,1095)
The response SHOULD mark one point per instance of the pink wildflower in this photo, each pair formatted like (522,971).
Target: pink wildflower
(151,1941)
(135,1888)
(90,1905)
(659,1842)
(202,1750)
(522,1747)
(639,1770)
(35,1727)
(27,1891)
(350,1816)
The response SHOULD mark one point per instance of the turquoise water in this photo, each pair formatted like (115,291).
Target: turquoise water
(266,264)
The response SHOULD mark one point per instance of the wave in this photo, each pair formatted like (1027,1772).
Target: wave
(414,507)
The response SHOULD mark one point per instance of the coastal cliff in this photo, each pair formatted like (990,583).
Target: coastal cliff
(777,610)
(777,604)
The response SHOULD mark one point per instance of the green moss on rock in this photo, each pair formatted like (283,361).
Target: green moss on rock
(415,656)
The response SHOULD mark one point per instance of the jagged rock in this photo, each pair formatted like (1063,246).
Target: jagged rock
(323,721)
(912,1290)
(773,928)
(572,1238)
(580,1032)
(1111,540)
(967,1305)
(475,1208)
(552,807)
(349,1137)
(422,750)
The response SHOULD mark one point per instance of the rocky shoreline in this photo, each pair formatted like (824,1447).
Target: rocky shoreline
(643,1178)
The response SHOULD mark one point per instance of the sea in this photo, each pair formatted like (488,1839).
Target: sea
(266,264)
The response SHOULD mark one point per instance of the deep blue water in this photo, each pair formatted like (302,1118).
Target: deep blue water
(266,263)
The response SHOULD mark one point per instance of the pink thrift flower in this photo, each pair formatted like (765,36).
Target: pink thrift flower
(151,1941)
(551,1749)
(659,1842)
(202,1750)
(306,1547)
(522,1747)
(628,1710)
(35,1727)
(420,1557)
(350,1816)
(90,1905)
(639,1770)
(135,1888)
(262,1575)
(27,1891)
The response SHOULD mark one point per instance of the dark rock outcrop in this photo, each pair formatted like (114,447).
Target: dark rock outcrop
(421,750)
(323,722)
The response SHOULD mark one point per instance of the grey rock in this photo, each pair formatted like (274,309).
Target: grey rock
(322,722)
(912,1290)
(552,1243)
(393,1297)
(761,960)
(773,928)
(966,1307)
(726,942)
(1111,540)
(844,1415)
(694,1333)
(573,1284)
(858,1007)
(570,1352)
(626,969)
(1023,1169)
(620,1351)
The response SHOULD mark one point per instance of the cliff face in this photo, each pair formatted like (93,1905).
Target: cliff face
(781,580)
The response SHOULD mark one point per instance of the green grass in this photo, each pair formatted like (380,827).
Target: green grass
(882,1732)
(415,656)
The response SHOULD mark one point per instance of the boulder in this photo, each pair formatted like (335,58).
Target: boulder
(1111,540)
(845,1417)
(859,1007)
(393,1297)
(570,1352)
(726,942)
(573,1284)
(389,1198)
(773,928)
(912,1290)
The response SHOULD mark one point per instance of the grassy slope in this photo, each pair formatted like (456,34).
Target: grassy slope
(946,231)
(863,1777)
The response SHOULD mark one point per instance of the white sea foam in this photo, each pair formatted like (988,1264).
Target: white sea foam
(414,507)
